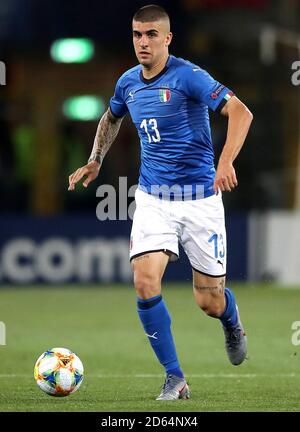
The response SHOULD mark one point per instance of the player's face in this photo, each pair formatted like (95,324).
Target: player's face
(151,41)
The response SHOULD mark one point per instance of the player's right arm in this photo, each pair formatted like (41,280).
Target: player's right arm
(107,131)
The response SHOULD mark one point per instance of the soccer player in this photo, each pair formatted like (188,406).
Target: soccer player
(179,198)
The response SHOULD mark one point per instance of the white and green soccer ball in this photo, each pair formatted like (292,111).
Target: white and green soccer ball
(58,372)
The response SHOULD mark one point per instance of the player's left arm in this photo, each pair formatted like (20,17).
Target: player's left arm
(239,121)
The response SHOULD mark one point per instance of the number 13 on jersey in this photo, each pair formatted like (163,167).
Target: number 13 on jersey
(151,130)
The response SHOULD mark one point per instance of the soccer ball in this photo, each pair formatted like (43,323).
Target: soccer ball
(58,372)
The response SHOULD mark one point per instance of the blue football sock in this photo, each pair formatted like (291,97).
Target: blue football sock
(229,318)
(156,321)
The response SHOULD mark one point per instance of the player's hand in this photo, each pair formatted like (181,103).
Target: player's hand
(225,179)
(90,171)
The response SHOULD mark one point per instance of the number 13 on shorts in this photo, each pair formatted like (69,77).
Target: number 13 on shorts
(218,243)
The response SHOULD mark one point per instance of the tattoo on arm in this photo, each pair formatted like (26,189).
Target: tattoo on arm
(107,131)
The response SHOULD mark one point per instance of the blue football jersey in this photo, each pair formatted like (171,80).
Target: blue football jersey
(170,112)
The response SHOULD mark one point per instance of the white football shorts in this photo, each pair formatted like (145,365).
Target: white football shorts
(198,225)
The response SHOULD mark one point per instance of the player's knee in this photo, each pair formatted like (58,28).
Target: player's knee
(213,306)
(146,285)
(214,309)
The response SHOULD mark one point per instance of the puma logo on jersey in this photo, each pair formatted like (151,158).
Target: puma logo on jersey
(131,95)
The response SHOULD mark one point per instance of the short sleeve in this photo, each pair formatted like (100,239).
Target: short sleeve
(200,85)
(117,103)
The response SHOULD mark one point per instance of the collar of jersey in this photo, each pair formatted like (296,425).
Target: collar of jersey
(156,77)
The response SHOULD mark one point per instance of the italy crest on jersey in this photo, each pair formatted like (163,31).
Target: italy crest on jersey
(164,95)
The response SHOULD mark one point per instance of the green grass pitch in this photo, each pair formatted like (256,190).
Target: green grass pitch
(101,325)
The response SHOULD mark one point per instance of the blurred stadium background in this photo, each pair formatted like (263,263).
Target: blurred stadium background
(62,61)
(47,131)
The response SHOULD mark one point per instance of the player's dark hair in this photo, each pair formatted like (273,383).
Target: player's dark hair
(151,13)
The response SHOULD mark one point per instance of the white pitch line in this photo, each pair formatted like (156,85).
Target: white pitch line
(118,376)
(290,375)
